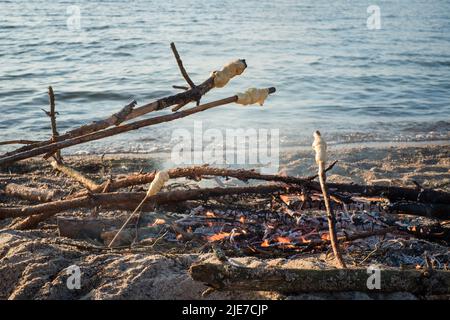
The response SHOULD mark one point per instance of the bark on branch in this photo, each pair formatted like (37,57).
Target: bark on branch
(226,276)
(75,175)
(31,194)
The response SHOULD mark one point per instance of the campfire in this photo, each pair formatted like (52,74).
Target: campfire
(268,216)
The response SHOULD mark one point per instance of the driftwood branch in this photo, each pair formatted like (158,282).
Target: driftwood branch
(128,201)
(75,175)
(420,209)
(116,130)
(87,228)
(31,194)
(52,115)
(185,97)
(197,173)
(394,194)
(227,276)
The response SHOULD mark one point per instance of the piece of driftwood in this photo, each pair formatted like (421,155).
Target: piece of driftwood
(49,148)
(393,193)
(420,209)
(230,276)
(99,228)
(127,201)
(192,94)
(197,173)
(75,175)
(87,228)
(32,194)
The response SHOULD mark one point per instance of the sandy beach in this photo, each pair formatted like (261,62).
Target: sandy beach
(33,263)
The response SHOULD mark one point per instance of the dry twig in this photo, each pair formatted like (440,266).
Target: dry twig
(321,158)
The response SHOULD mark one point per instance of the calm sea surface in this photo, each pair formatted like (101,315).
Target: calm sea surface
(331,72)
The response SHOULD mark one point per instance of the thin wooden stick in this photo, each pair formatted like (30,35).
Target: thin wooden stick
(185,76)
(180,66)
(17,142)
(320,147)
(179,106)
(180,87)
(52,115)
(127,221)
(32,194)
(117,130)
(331,217)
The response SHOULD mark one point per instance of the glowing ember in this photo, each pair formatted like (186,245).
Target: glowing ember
(158,222)
(210,214)
(325,236)
(242,219)
(283,240)
(265,243)
(291,198)
(285,198)
(304,240)
(219,236)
